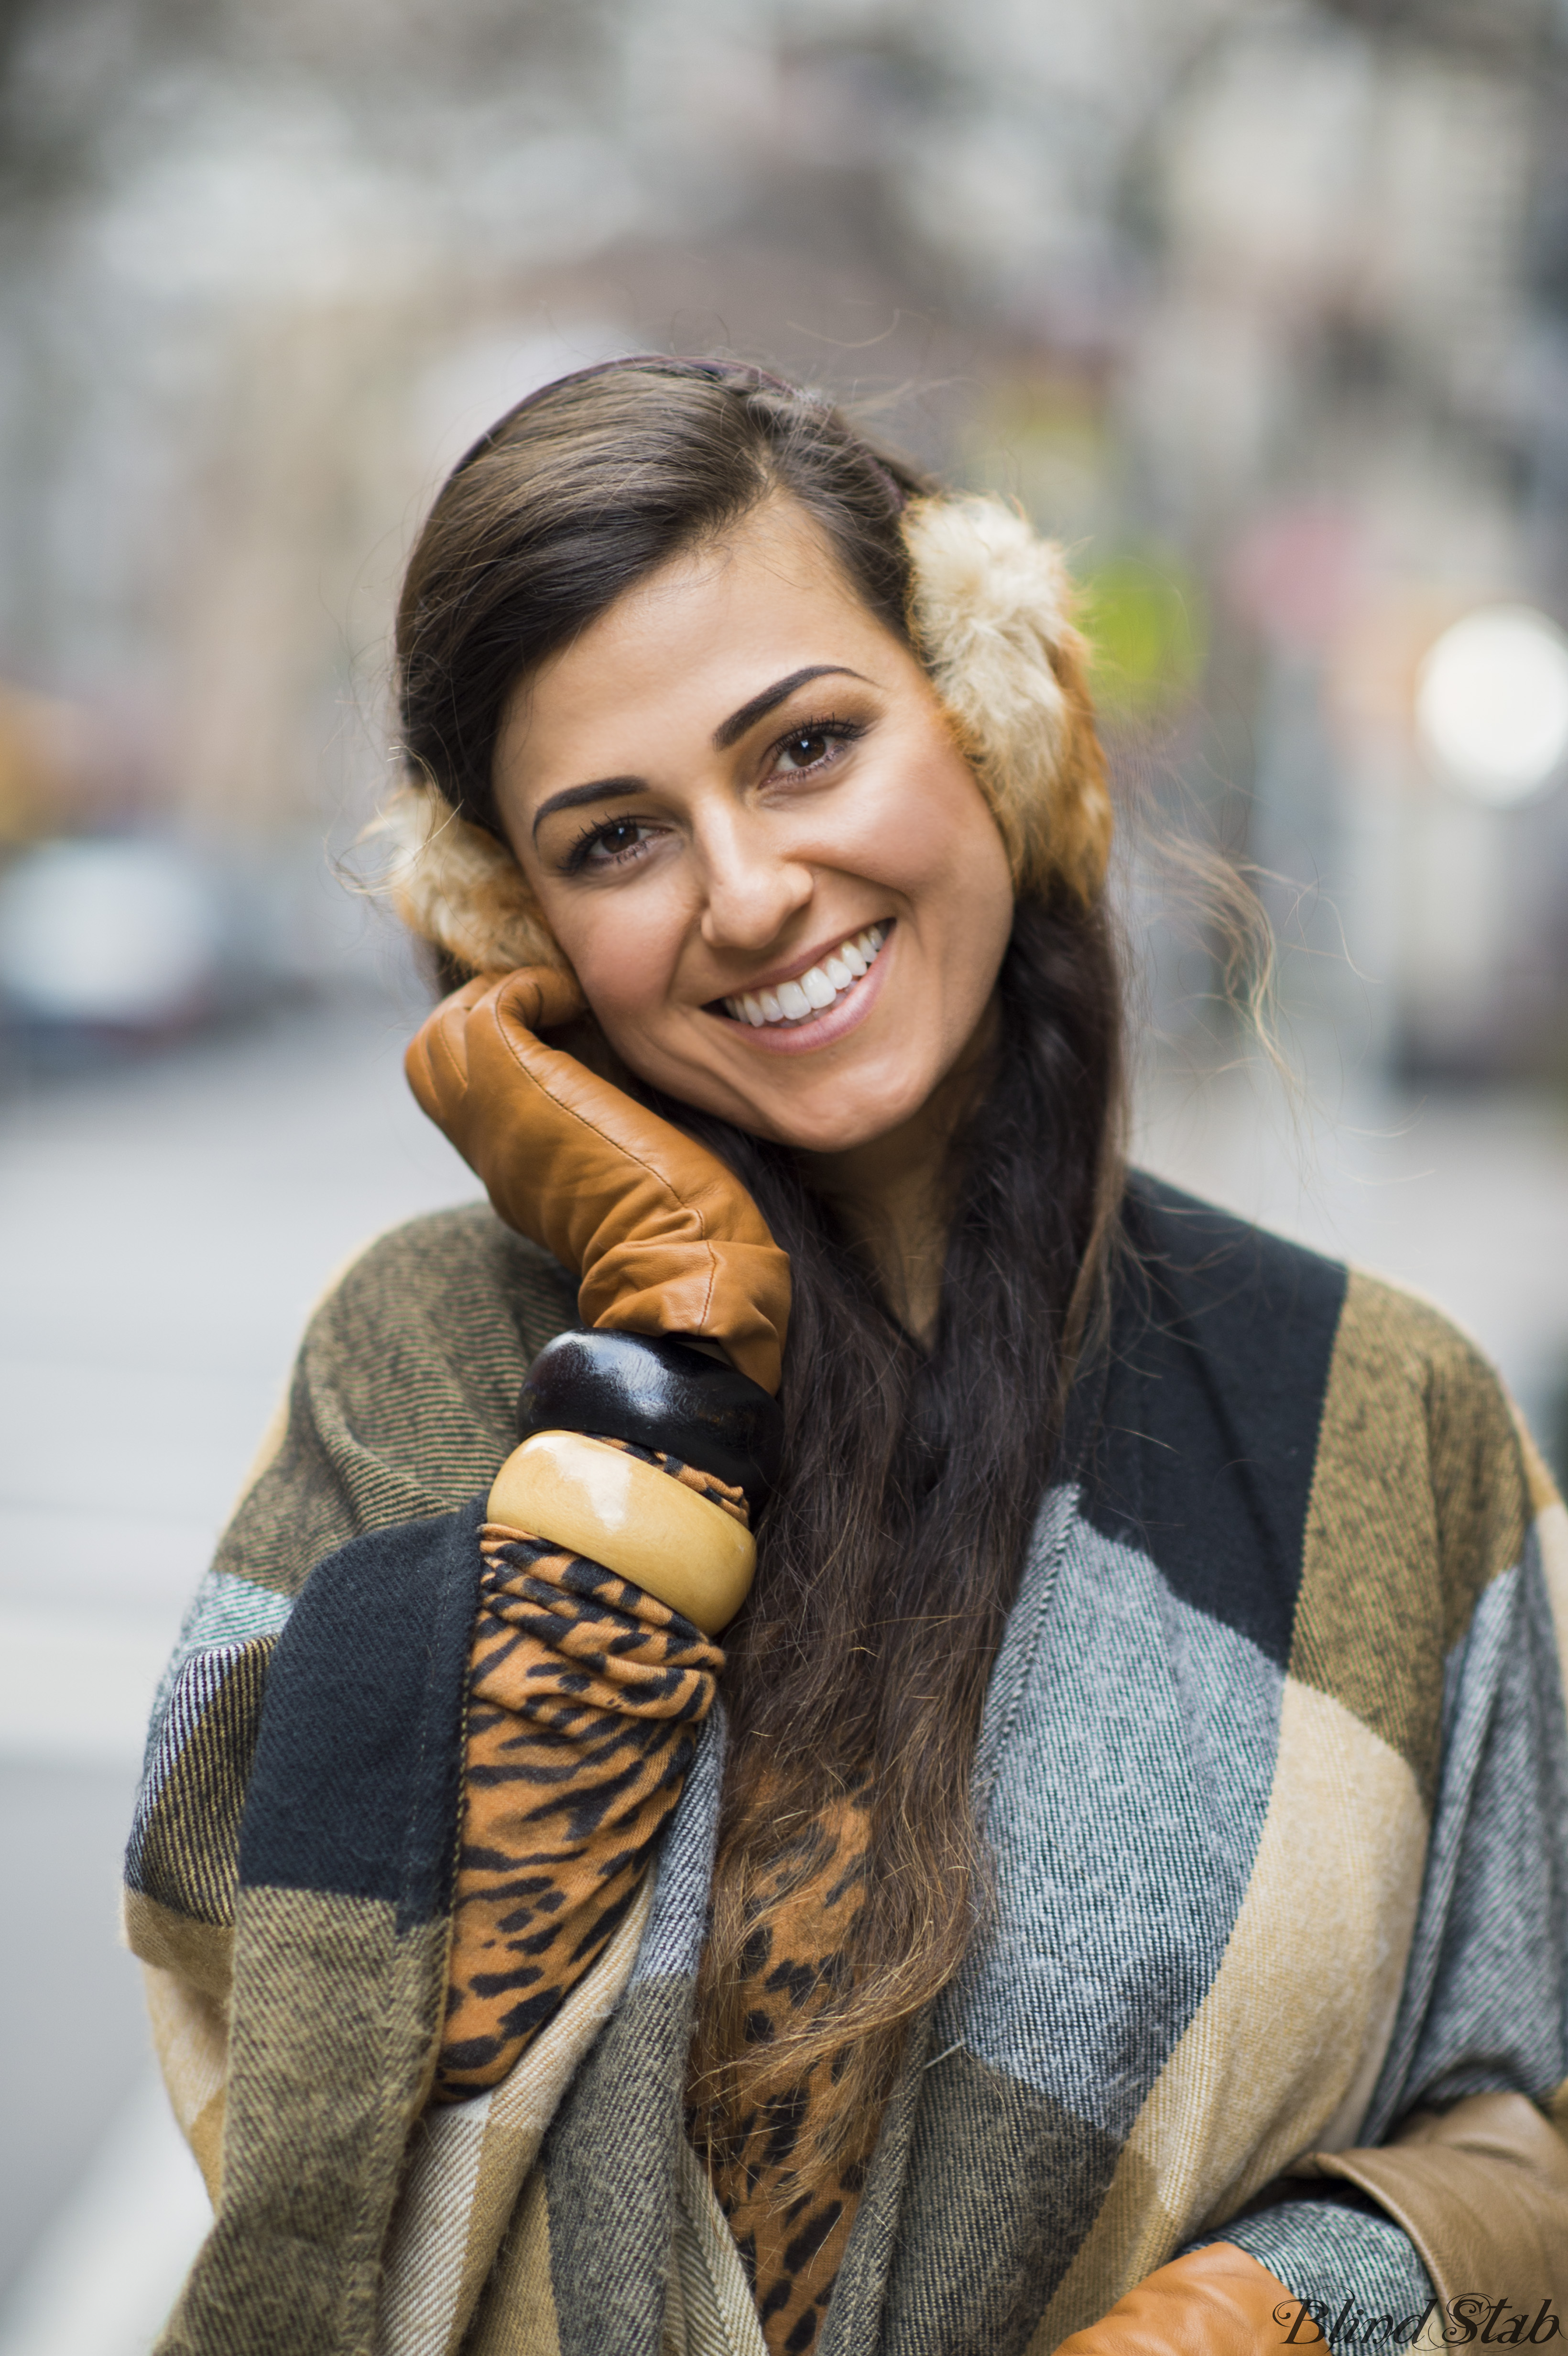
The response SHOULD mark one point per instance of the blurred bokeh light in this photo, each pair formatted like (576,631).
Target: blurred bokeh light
(1492,701)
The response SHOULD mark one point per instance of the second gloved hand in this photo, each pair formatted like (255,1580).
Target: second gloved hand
(1217,2301)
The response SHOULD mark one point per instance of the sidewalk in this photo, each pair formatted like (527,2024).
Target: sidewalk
(162,1233)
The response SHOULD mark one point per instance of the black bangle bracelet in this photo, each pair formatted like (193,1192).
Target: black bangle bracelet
(661,1395)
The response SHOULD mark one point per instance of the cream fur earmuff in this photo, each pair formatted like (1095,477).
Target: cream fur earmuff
(990,615)
(990,620)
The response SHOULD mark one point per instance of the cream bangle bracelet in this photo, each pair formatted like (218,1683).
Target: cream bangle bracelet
(627,1514)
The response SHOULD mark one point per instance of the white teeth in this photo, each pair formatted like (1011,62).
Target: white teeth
(815,989)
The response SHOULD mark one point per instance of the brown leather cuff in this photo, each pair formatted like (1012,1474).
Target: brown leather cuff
(1482,2191)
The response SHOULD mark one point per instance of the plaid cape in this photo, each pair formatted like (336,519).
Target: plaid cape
(1275,1766)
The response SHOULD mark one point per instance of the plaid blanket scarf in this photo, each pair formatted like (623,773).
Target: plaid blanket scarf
(1275,1768)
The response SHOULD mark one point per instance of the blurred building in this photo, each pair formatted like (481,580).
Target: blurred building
(1263,307)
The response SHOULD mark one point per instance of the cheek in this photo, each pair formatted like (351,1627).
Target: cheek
(960,892)
(623,950)
(948,848)
(985,881)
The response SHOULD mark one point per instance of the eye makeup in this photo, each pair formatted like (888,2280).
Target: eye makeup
(576,858)
(834,733)
(830,731)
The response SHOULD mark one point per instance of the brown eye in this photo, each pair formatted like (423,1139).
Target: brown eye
(612,843)
(809,746)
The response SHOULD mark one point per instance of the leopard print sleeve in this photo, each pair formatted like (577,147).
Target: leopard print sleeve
(585,1699)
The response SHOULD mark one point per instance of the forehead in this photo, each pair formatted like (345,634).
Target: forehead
(689,645)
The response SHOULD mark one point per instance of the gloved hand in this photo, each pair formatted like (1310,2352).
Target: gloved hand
(1215,2302)
(664,1238)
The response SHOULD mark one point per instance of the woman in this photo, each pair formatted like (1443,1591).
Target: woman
(1100,1883)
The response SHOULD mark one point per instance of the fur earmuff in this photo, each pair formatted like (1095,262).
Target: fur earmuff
(990,615)
(456,884)
(990,618)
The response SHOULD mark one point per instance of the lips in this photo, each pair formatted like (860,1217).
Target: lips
(810,994)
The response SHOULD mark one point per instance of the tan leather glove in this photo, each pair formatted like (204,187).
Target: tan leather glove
(663,1237)
(1217,2302)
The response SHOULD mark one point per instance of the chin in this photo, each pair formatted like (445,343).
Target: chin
(833,1133)
(844,1119)
(830,1115)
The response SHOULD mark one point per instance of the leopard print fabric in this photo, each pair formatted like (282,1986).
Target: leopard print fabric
(584,1701)
(791,2241)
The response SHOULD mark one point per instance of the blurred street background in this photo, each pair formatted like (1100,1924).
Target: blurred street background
(1261,308)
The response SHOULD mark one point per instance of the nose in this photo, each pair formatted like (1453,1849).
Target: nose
(750,886)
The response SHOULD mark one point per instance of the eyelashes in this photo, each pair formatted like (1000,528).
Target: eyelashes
(834,733)
(576,857)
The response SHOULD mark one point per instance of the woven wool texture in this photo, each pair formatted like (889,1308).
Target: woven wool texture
(1274,1765)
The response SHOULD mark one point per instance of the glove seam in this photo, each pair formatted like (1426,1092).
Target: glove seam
(681,1201)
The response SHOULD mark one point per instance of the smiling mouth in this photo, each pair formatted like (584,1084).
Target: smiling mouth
(814,992)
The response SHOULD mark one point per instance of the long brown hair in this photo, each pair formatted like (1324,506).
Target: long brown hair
(888,1562)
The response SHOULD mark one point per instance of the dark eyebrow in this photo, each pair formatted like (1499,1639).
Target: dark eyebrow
(729,731)
(574,797)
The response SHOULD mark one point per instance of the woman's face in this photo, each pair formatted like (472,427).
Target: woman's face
(752,835)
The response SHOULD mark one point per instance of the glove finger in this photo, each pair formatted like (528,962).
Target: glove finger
(539,998)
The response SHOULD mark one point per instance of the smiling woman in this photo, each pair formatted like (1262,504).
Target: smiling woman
(950,1778)
(751,839)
